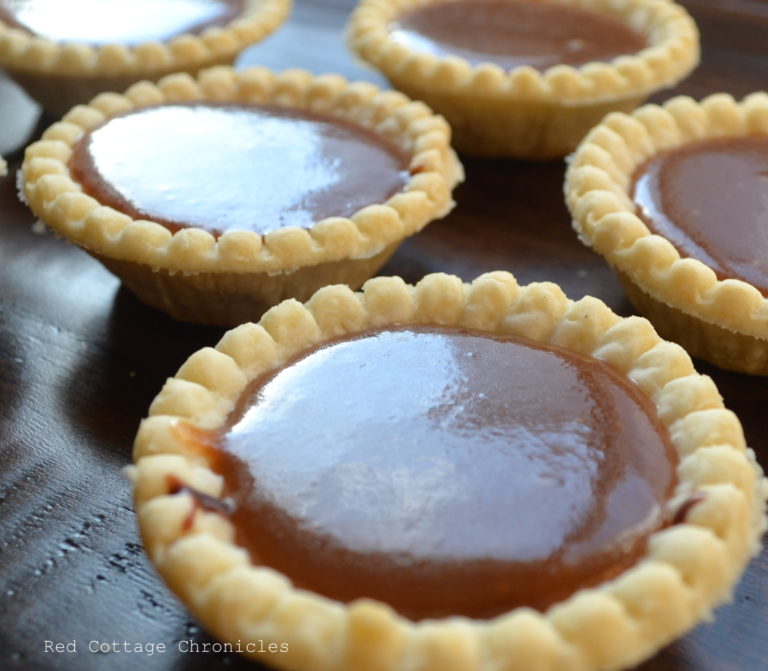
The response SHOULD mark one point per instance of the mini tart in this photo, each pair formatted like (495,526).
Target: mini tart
(687,569)
(724,321)
(523,112)
(60,75)
(232,278)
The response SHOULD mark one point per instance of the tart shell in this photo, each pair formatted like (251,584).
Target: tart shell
(61,75)
(230,279)
(722,321)
(688,568)
(188,297)
(523,112)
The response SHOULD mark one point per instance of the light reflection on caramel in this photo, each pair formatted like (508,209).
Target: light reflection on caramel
(128,22)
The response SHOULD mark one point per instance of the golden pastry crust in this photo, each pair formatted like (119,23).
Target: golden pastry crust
(524,112)
(60,75)
(723,321)
(195,261)
(689,568)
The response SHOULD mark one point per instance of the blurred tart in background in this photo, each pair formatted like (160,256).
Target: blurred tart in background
(676,199)
(525,78)
(64,53)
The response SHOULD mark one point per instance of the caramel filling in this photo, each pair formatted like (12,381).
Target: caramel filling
(445,472)
(511,33)
(236,167)
(128,22)
(710,200)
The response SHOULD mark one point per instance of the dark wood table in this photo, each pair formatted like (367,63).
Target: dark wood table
(81,359)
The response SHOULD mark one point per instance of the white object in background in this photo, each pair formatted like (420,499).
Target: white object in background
(18,116)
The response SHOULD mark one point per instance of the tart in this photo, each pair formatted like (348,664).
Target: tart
(63,58)
(418,477)
(525,78)
(674,197)
(245,188)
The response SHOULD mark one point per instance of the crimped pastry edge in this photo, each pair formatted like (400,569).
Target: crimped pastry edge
(596,191)
(59,201)
(673,52)
(32,54)
(689,568)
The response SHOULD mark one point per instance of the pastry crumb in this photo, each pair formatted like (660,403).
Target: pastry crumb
(20,186)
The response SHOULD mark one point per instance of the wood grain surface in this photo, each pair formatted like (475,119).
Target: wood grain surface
(81,359)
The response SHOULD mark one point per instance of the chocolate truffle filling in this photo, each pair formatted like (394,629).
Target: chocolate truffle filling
(236,166)
(710,200)
(128,22)
(445,472)
(511,33)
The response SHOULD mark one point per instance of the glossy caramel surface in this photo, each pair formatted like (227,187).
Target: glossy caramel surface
(446,472)
(117,21)
(511,33)
(236,167)
(710,200)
